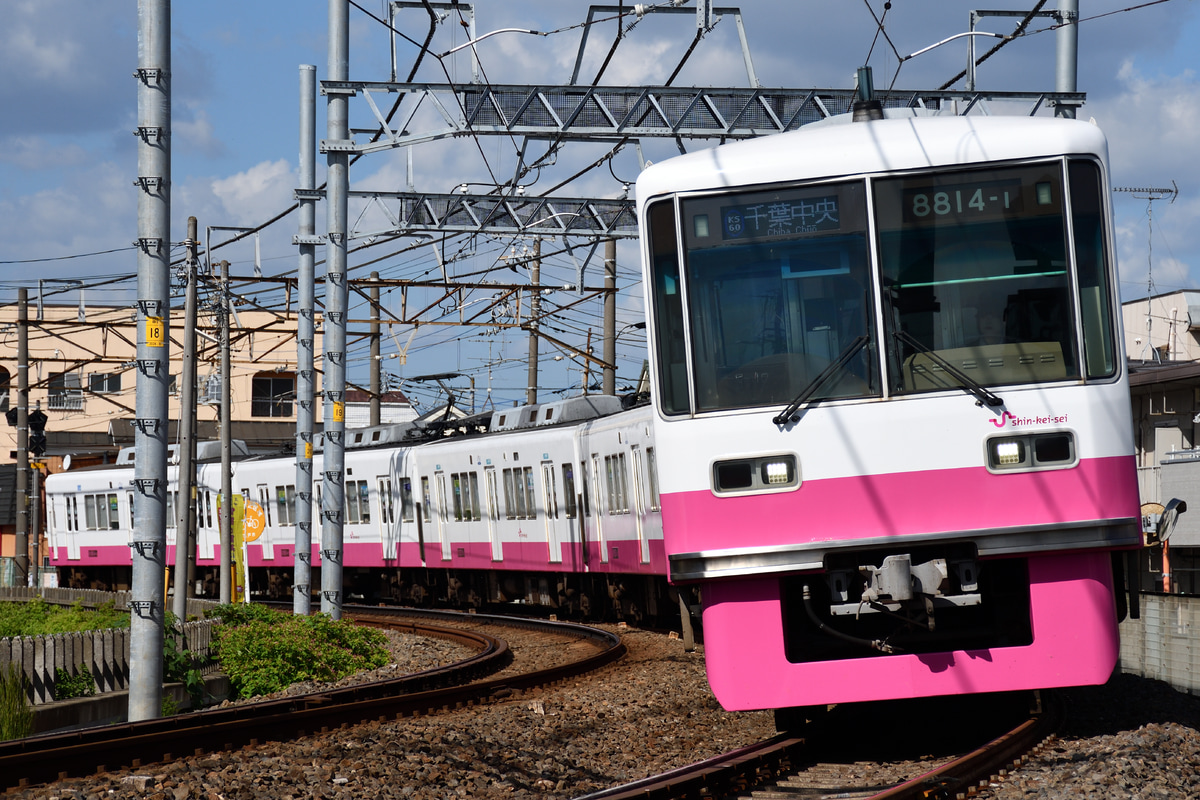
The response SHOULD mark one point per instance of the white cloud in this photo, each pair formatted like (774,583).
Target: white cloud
(258,192)
(33,153)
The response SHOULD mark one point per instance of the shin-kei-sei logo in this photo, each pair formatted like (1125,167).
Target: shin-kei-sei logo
(1012,420)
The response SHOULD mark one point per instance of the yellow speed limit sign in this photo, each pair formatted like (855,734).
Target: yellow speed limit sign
(254,521)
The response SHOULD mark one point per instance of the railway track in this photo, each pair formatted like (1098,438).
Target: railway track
(58,756)
(789,767)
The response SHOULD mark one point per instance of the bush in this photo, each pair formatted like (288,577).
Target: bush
(16,717)
(261,657)
(178,664)
(68,686)
(236,614)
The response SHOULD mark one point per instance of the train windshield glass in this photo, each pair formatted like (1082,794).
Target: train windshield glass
(974,266)
(777,288)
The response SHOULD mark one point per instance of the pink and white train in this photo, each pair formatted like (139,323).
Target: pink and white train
(891,408)
(555,504)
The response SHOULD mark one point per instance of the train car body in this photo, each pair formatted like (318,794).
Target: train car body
(892,418)
(558,491)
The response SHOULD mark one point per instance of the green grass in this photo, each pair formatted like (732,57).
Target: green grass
(39,618)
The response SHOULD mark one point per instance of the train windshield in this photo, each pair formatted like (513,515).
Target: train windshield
(975,269)
(778,288)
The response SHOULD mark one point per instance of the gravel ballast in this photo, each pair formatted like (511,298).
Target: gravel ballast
(651,712)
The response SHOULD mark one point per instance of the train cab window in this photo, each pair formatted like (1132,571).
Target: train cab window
(778,291)
(1095,291)
(976,274)
(668,308)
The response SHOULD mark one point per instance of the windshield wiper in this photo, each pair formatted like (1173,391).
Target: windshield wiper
(969,385)
(786,416)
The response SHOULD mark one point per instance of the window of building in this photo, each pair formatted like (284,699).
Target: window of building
(271,395)
(104,382)
(64,392)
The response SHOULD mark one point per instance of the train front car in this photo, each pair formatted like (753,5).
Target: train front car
(894,430)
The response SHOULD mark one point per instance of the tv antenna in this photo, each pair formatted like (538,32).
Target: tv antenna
(1150,195)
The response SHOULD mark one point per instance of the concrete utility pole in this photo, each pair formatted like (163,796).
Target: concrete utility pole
(336,300)
(535,311)
(226,506)
(1067,53)
(187,444)
(21,556)
(376,369)
(610,317)
(307,240)
(149,545)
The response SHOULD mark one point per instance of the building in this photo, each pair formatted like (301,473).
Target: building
(1162,344)
(83,376)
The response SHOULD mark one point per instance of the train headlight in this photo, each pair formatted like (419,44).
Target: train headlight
(1008,452)
(1033,451)
(756,474)
(776,472)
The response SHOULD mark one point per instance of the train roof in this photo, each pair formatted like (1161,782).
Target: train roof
(537,415)
(836,148)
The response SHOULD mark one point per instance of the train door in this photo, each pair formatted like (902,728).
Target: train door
(550,504)
(72,508)
(639,505)
(443,534)
(493,514)
(388,538)
(573,516)
(599,508)
(265,500)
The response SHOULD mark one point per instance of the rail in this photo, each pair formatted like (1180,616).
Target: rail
(51,757)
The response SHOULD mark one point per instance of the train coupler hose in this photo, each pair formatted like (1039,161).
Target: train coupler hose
(874,644)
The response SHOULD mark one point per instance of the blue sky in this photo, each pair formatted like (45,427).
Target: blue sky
(68,158)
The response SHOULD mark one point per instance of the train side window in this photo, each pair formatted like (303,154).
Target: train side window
(427,499)
(668,307)
(171,500)
(510,495)
(358,508)
(1095,293)
(264,500)
(406,500)
(652,473)
(617,484)
(129,498)
(568,475)
(457,487)
(473,480)
(386,511)
(285,503)
(551,490)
